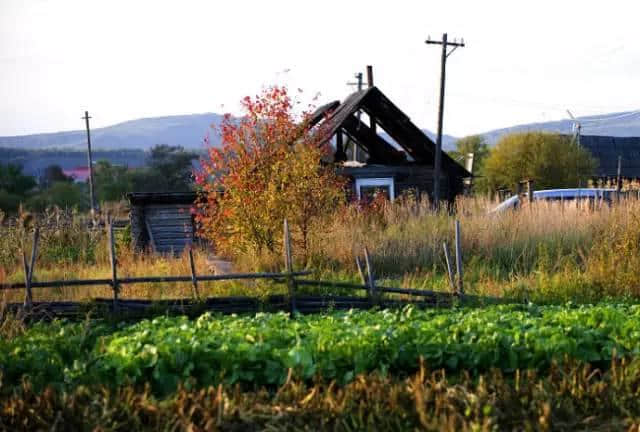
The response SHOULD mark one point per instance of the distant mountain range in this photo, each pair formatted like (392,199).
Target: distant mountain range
(621,124)
(189,131)
(185,130)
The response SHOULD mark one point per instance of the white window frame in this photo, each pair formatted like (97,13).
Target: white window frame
(380,181)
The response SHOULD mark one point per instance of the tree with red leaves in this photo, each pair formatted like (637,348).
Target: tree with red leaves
(268,168)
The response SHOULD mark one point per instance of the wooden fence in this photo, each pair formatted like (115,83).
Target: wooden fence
(294,301)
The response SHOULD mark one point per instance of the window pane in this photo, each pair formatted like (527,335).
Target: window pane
(369,193)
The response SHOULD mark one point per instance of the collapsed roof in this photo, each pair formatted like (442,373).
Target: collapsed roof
(343,117)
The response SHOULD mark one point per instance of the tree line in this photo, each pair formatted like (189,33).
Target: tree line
(551,160)
(168,168)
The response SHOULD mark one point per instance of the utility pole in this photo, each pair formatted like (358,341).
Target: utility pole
(577,127)
(359,77)
(438,156)
(92,198)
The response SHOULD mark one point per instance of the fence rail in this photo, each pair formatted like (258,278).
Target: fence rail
(293,301)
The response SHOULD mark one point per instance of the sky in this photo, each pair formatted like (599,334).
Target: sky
(524,61)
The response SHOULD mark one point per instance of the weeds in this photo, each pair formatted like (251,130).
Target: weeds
(569,397)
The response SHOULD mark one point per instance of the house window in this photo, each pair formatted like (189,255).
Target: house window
(369,188)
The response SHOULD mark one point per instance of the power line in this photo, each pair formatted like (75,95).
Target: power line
(606,119)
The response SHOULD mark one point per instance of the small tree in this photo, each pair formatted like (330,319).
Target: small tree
(53,174)
(475,144)
(549,159)
(112,182)
(269,168)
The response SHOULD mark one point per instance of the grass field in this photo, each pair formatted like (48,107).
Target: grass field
(567,360)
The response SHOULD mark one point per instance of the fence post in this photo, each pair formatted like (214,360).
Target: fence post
(114,264)
(288,264)
(373,295)
(360,272)
(530,191)
(194,278)
(459,260)
(619,179)
(449,271)
(28,268)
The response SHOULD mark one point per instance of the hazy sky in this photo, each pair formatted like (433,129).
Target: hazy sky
(525,60)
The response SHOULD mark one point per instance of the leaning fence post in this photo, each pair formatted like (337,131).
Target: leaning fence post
(373,295)
(27,282)
(114,264)
(28,268)
(288,264)
(447,258)
(459,260)
(194,279)
(360,272)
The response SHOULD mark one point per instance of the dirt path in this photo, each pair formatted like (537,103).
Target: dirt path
(219,266)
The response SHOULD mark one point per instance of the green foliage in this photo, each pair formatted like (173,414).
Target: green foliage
(9,202)
(548,159)
(475,144)
(14,181)
(61,194)
(111,182)
(262,349)
(169,170)
(53,174)
(64,239)
(14,187)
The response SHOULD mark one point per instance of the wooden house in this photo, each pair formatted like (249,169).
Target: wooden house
(162,222)
(399,159)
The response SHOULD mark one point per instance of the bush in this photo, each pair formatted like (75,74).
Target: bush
(269,168)
(61,194)
(548,159)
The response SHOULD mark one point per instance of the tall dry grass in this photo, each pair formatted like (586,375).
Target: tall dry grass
(548,250)
(70,249)
(544,252)
(407,235)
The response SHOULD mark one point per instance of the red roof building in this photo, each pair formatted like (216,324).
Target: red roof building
(78,174)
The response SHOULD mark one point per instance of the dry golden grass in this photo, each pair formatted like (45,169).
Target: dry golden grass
(556,251)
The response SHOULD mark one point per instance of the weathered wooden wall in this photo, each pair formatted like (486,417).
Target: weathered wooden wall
(162,222)
(407,177)
(171,227)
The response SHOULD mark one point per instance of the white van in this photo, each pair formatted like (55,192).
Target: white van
(595,194)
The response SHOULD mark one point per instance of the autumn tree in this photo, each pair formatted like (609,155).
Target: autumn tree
(551,160)
(268,168)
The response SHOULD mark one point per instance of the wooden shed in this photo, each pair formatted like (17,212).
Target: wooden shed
(390,154)
(162,222)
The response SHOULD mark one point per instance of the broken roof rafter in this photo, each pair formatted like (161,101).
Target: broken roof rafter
(378,149)
(390,118)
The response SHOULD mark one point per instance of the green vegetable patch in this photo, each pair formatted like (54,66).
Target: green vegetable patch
(265,348)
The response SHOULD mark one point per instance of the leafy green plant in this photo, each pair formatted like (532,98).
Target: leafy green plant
(266,348)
